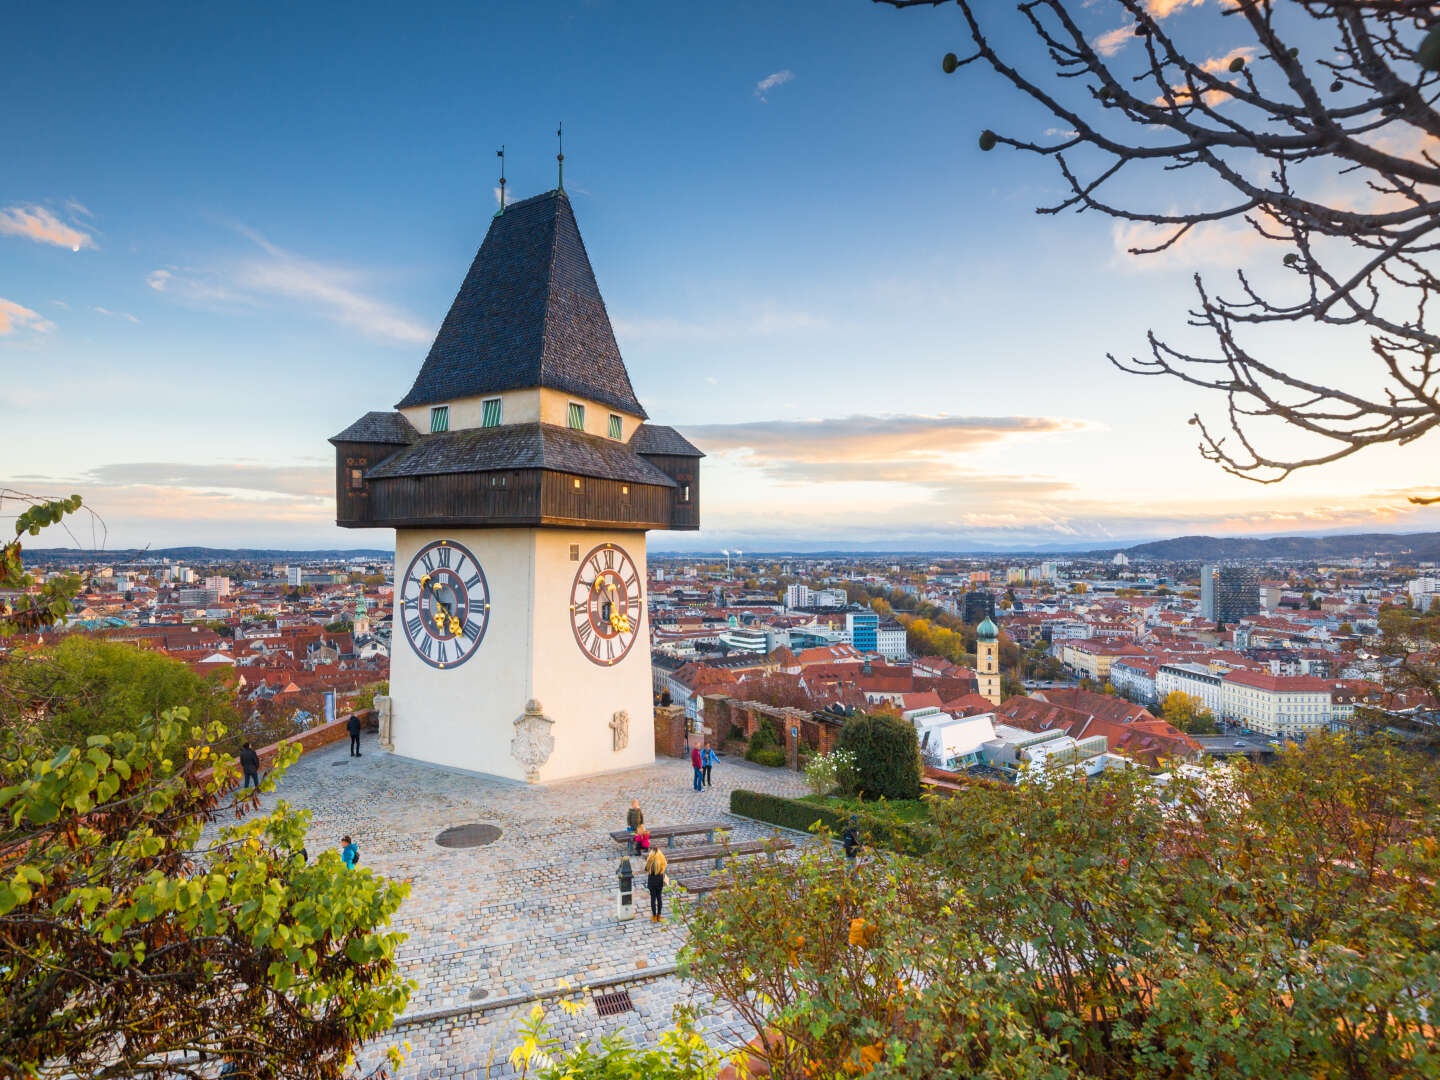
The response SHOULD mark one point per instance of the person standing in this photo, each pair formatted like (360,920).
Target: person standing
(634,818)
(851,840)
(350,853)
(655,864)
(697,762)
(708,757)
(250,765)
(353,726)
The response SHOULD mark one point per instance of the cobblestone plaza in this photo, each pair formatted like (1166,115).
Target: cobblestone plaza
(511,919)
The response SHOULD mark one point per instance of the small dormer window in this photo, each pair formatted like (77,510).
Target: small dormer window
(577,416)
(439,419)
(490,412)
(614,426)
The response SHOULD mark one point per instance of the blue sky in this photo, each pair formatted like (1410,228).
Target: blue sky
(811,269)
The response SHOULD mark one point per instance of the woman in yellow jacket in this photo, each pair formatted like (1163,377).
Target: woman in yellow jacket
(655,880)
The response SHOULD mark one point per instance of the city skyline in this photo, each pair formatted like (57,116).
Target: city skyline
(812,271)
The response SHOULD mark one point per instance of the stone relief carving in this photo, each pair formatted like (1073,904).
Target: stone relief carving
(533,742)
(620,730)
(385,711)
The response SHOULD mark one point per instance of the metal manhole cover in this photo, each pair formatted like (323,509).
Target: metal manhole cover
(462,836)
(613,1004)
(479,995)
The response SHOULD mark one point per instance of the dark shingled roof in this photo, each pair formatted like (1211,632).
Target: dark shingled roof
(528,314)
(659,439)
(379,427)
(520,446)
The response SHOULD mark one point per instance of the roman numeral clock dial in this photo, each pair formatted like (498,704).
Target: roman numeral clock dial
(444,604)
(606,605)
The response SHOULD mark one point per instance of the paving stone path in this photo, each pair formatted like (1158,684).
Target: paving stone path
(516,916)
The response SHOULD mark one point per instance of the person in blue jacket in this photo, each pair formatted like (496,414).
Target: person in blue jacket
(708,758)
(350,853)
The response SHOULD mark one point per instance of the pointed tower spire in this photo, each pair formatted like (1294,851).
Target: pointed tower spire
(560,157)
(501,155)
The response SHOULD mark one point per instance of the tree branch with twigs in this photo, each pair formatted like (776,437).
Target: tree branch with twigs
(1329,152)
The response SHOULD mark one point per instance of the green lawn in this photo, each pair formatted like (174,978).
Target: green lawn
(907,810)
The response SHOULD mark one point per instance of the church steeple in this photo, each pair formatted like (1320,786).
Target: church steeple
(528,314)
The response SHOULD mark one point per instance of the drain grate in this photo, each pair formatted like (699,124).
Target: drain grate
(613,1004)
(463,836)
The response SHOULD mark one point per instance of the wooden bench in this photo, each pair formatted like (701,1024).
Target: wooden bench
(668,833)
(700,884)
(720,852)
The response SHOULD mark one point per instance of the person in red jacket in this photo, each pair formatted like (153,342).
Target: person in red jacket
(697,762)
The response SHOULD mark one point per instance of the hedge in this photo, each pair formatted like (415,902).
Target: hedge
(797,815)
(765,755)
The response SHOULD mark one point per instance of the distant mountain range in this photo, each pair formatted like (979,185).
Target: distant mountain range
(204,554)
(1419,547)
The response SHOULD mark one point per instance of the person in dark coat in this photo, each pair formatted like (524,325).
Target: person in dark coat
(353,726)
(851,840)
(250,765)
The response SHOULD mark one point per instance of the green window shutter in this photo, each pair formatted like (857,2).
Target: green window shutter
(577,416)
(490,416)
(614,426)
(439,419)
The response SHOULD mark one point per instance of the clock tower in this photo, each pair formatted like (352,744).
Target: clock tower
(520,474)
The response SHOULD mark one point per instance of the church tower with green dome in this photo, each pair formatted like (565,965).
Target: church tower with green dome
(987,661)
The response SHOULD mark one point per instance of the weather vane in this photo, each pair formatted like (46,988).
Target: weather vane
(560,157)
(501,155)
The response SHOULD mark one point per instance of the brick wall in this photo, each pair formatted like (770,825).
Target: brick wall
(670,731)
(726,717)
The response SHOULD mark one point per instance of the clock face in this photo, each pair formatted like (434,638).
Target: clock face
(444,604)
(606,605)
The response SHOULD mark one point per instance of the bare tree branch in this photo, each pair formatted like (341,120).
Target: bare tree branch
(1330,155)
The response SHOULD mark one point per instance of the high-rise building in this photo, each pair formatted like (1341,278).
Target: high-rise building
(797,596)
(1207,591)
(1236,593)
(978,606)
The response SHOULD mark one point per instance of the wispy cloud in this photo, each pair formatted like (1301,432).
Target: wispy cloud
(15,319)
(41,225)
(116,314)
(304,481)
(337,293)
(1161,9)
(1112,41)
(778,78)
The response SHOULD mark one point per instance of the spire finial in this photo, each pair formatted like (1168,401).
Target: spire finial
(501,155)
(560,157)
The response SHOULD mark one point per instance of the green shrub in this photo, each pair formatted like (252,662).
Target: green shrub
(887,756)
(804,816)
(765,755)
(764,735)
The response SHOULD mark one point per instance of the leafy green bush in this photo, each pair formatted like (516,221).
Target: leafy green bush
(765,755)
(887,756)
(764,735)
